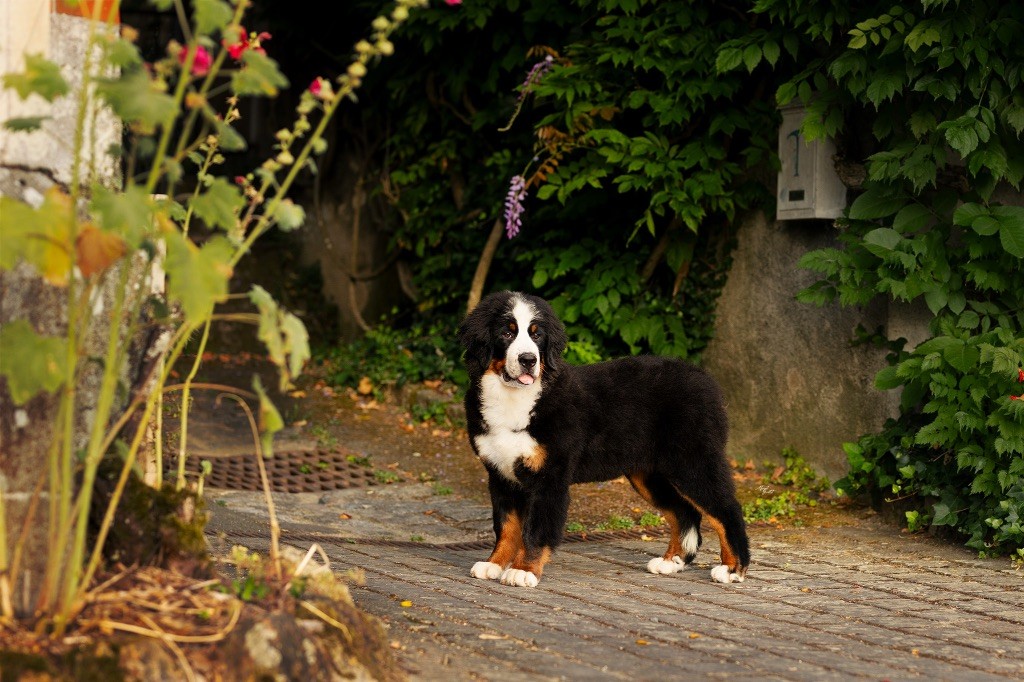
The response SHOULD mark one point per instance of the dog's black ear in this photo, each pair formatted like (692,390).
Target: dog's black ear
(476,334)
(556,337)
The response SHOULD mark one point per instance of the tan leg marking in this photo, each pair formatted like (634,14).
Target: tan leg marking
(510,542)
(675,545)
(728,554)
(535,564)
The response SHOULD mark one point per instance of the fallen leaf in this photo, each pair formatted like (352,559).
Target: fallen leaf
(365,386)
(405,604)
(642,642)
(432,383)
(486,635)
(694,635)
(345,516)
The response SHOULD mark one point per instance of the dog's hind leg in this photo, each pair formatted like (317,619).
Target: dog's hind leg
(683,522)
(725,516)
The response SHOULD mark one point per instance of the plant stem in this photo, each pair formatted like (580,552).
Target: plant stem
(186,397)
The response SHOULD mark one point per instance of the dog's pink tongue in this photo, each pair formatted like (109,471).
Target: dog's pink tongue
(526,379)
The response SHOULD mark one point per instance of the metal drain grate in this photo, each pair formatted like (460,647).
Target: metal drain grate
(287,472)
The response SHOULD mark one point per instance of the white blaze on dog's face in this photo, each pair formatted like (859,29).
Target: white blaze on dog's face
(522,357)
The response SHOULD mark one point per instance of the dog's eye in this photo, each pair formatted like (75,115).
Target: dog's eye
(535,334)
(507,334)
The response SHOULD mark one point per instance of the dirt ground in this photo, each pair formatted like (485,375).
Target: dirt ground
(427,451)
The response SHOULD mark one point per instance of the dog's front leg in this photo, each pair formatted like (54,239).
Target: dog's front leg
(508,508)
(542,533)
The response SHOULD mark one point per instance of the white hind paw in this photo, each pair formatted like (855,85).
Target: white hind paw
(721,574)
(662,566)
(519,578)
(486,570)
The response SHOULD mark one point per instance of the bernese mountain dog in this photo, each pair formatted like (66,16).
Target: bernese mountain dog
(539,425)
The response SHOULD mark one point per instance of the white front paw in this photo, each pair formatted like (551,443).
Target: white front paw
(485,570)
(519,578)
(721,574)
(663,566)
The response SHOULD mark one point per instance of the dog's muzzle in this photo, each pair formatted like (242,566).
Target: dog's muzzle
(523,370)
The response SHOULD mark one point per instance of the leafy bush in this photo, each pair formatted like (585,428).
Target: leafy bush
(394,357)
(637,157)
(929,95)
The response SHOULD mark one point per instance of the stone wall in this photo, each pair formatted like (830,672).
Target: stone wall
(789,371)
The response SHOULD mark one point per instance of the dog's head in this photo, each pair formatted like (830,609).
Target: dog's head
(515,335)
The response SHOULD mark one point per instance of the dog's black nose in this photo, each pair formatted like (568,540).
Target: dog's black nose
(527,361)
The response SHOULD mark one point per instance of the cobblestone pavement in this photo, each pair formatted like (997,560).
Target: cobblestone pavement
(841,603)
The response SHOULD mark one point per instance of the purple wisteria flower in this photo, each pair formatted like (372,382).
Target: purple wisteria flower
(536,73)
(514,205)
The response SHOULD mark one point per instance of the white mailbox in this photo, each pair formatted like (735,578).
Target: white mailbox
(808,185)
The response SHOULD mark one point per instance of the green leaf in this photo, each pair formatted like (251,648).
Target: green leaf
(888,379)
(219,205)
(30,362)
(728,59)
(283,334)
(25,124)
(211,15)
(269,421)
(39,236)
(912,218)
(127,214)
(943,516)
(229,139)
(964,358)
(751,56)
(965,214)
(135,98)
(40,77)
(962,138)
(197,278)
(985,225)
(771,52)
(876,203)
(1011,228)
(259,75)
(885,238)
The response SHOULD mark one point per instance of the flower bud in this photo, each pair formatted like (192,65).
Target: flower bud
(381,24)
(400,13)
(356,70)
(386,47)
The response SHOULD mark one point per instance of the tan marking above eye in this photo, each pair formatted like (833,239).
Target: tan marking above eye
(533,329)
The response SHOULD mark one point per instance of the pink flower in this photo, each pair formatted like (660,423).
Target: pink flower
(321,89)
(251,42)
(452,3)
(200,63)
(1020,375)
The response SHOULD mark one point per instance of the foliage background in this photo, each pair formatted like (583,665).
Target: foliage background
(654,129)
(652,133)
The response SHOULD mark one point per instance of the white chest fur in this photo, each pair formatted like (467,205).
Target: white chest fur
(506,412)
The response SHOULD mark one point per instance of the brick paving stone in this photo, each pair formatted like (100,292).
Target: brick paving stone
(875,606)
